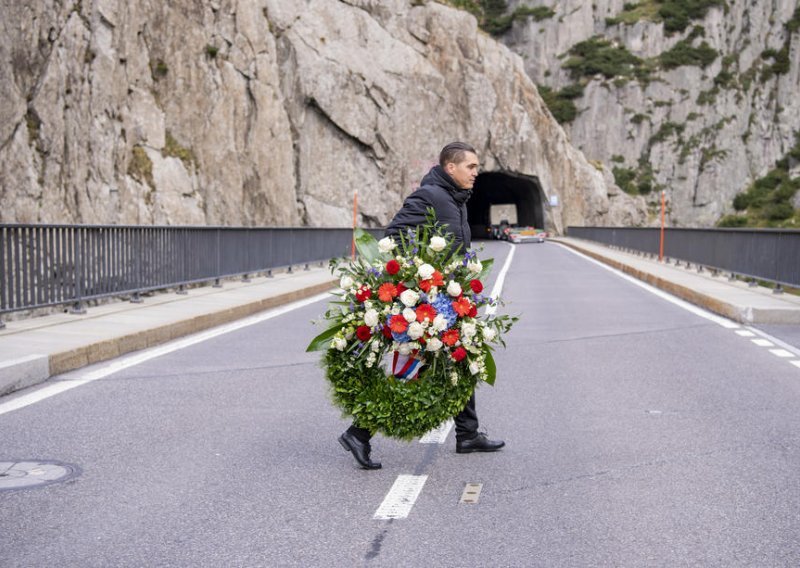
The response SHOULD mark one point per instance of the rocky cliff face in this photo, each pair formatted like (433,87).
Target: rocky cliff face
(703,130)
(265,112)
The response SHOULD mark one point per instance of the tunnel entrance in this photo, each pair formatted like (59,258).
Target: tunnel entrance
(522,195)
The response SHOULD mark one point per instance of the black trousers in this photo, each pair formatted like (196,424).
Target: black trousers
(466,424)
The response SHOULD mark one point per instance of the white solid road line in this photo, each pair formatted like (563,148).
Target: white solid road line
(501,278)
(59,386)
(719,320)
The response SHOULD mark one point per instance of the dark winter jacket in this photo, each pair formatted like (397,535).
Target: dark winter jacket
(437,190)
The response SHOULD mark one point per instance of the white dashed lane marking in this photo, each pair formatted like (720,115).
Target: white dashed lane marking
(781,353)
(763,342)
(439,434)
(401,497)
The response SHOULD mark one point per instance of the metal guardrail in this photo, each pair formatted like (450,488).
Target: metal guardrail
(772,255)
(49,265)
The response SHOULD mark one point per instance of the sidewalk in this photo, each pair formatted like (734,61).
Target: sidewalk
(735,299)
(32,350)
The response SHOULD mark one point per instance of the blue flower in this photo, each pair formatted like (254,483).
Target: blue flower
(401,337)
(445,308)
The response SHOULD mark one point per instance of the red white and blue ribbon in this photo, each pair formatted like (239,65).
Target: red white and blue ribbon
(406,367)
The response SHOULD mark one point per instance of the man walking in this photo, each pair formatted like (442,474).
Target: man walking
(446,188)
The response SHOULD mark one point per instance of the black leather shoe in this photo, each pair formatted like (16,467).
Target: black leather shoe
(479,443)
(360,450)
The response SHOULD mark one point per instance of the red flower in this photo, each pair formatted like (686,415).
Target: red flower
(387,333)
(392,267)
(473,311)
(450,337)
(363,294)
(476,286)
(437,279)
(387,292)
(398,323)
(458,353)
(363,332)
(425,311)
(425,285)
(461,306)
(401,288)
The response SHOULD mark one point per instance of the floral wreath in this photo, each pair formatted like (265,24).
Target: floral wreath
(405,346)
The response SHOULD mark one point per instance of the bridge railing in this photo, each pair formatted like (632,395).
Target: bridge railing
(772,255)
(49,265)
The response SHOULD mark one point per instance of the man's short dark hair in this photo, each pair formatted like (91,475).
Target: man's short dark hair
(454,152)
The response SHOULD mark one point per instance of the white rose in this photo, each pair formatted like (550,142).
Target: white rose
(371,318)
(474,368)
(438,244)
(410,315)
(434,344)
(468,329)
(404,349)
(409,298)
(339,343)
(439,322)
(346,282)
(489,333)
(386,244)
(454,288)
(415,330)
(475,266)
(425,271)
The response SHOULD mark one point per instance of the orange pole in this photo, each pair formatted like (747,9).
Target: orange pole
(661,245)
(355,222)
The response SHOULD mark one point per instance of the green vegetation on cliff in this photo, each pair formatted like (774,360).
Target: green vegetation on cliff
(560,103)
(768,200)
(676,14)
(493,16)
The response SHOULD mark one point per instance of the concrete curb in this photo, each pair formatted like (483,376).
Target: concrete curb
(23,372)
(32,370)
(746,314)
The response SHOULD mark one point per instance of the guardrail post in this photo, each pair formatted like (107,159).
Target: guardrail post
(217,283)
(136,246)
(78,307)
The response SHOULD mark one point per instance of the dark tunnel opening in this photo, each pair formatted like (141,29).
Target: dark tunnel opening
(521,195)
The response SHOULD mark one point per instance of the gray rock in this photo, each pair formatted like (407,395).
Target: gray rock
(723,146)
(270,113)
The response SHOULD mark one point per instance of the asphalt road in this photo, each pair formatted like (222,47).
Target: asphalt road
(638,434)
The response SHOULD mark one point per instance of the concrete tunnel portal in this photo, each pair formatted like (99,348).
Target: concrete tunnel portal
(521,194)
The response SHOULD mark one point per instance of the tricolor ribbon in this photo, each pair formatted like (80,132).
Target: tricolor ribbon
(406,367)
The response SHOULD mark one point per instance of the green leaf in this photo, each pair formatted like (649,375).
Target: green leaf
(491,367)
(367,245)
(487,268)
(321,341)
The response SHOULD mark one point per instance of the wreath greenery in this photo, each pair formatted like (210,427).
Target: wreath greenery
(406,346)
